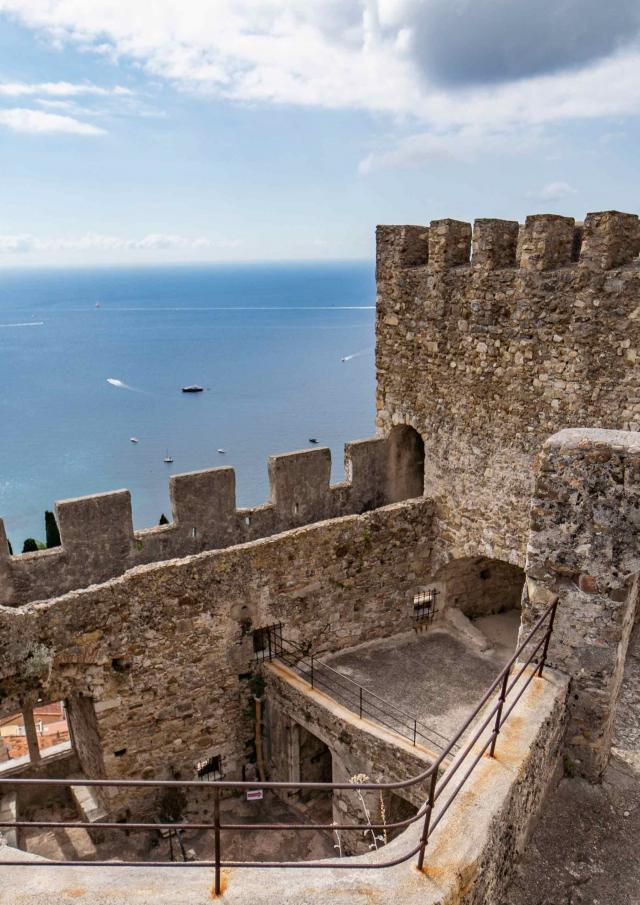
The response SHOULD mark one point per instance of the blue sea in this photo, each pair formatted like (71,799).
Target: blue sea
(266,342)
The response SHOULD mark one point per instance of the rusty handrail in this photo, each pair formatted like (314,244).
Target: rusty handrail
(437,785)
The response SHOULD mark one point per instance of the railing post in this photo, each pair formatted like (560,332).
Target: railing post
(545,649)
(415,731)
(501,700)
(216,837)
(427,818)
(312,670)
(361,702)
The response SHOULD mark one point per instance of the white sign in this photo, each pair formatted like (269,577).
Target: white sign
(255,794)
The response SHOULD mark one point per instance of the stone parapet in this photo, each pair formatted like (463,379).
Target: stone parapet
(99,541)
(154,664)
(606,240)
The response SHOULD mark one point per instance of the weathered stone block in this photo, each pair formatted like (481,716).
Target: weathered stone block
(449,243)
(546,242)
(610,239)
(495,243)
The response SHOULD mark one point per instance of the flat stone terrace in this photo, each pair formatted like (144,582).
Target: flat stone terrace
(437,675)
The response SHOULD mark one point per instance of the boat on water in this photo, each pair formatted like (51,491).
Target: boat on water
(193,388)
(134,439)
(221,451)
(313,439)
(168,459)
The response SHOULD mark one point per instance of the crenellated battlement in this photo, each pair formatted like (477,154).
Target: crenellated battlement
(98,541)
(493,337)
(606,240)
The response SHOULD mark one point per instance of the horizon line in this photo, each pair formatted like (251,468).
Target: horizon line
(211,263)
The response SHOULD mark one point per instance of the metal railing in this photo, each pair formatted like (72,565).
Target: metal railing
(490,719)
(356,698)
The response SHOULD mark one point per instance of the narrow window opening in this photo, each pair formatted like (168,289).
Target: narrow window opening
(52,727)
(260,640)
(33,734)
(119,664)
(424,606)
(211,768)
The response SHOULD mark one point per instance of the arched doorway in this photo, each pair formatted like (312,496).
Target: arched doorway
(480,586)
(486,591)
(406,464)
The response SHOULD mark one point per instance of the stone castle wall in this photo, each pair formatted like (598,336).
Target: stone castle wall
(162,655)
(584,549)
(99,543)
(486,355)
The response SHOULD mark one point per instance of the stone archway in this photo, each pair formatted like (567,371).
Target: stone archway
(479,586)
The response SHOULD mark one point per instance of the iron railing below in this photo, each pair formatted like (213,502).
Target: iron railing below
(490,718)
(366,703)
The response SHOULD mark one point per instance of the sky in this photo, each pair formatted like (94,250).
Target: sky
(232,130)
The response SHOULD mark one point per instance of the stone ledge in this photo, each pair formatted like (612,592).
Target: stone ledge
(586,437)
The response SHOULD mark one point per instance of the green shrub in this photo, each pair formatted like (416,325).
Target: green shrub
(37,662)
(30,545)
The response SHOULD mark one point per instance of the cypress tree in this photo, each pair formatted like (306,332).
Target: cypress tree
(30,546)
(51,529)
(10,547)
(163,520)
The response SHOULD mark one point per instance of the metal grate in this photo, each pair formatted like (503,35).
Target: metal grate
(424,606)
(210,769)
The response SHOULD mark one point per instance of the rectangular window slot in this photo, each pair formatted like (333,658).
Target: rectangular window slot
(424,606)
(210,769)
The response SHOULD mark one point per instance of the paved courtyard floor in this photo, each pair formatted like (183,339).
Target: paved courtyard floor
(439,675)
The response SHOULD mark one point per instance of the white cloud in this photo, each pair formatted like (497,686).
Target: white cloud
(378,56)
(21,119)
(59,89)
(556,191)
(457,143)
(24,242)
(12,245)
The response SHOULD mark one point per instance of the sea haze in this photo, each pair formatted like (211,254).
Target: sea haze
(266,341)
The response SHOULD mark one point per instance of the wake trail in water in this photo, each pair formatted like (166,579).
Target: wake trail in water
(121,385)
(27,324)
(358,354)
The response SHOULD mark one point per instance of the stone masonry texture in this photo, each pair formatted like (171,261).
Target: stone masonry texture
(584,549)
(164,652)
(487,356)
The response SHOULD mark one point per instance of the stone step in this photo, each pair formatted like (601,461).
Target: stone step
(89,804)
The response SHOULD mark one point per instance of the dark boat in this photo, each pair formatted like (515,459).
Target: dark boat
(194,388)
